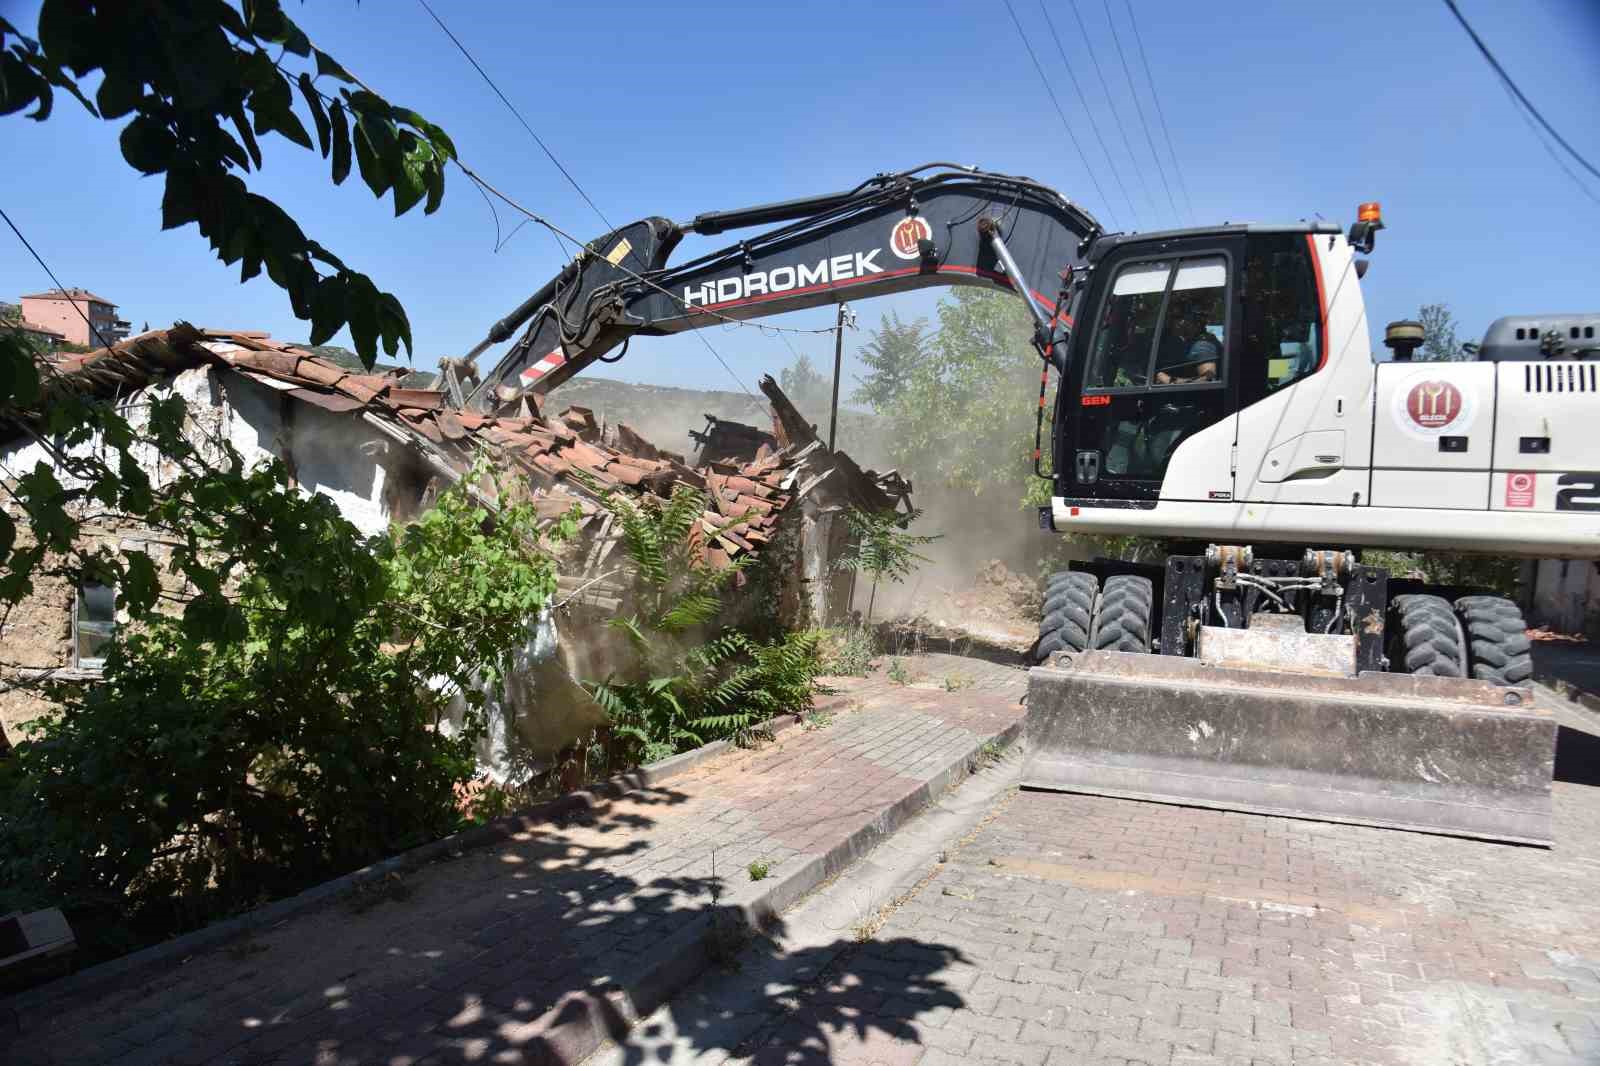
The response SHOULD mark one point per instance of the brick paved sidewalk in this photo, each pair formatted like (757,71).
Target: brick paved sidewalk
(1084,930)
(486,957)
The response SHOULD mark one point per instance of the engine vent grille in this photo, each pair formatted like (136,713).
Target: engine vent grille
(1560,377)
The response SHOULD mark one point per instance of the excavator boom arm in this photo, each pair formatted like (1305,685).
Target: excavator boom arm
(936,225)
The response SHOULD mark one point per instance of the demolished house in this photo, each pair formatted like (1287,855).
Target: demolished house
(382,452)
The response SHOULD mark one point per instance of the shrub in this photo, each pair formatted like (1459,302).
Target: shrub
(846,651)
(880,547)
(212,769)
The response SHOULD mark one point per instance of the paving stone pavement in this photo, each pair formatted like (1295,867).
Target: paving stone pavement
(460,960)
(1086,930)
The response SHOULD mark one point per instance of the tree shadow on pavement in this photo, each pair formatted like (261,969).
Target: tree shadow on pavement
(870,995)
(456,961)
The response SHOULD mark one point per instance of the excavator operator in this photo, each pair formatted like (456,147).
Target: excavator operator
(1189,353)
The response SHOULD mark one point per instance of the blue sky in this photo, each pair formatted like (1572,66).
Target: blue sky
(1277,111)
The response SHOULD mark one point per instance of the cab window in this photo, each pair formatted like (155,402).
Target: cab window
(1127,327)
(1283,340)
(1162,324)
(1192,330)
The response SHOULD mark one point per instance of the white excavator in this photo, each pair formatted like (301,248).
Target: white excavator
(1217,393)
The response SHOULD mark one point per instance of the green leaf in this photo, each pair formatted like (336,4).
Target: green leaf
(16,578)
(319,115)
(236,113)
(435,190)
(370,156)
(273,107)
(361,307)
(20,86)
(327,65)
(327,308)
(179,204)
(119,93)
(341,142)
(19,374)
(411,183)
(147,145)
(393,324)
(140,587)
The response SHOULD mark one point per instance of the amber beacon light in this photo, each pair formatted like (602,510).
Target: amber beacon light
(1371,211)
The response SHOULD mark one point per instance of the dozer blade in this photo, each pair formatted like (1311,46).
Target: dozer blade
(1437,755)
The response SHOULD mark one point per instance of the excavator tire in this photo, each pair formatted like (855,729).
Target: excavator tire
(1497,639)
(1425,637)
(1068,612)
(1122,622)
(1057,578)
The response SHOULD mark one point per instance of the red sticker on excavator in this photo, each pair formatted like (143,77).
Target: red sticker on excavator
(1520,486)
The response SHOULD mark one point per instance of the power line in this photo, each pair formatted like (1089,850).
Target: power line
(1518,93)
(1183,185)
(1544,142)
(513,108)
(1083,101)
(1134,90)
(1059,113)
(1105,87)
(552,227)
(60,287)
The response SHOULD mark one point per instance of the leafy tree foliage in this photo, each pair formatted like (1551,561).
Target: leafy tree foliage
(964,417)
(1490,573)
(203,85)
(1439,341)
(891,356)
(282,727)
(680,689)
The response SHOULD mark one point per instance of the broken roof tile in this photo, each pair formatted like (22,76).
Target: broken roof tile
(452,426)
(425,399)
(336,402)
(570,457)
(320,372)
(364,387)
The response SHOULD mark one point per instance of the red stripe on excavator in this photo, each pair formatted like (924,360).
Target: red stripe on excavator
(769,297)
(1322,300)
(553,361)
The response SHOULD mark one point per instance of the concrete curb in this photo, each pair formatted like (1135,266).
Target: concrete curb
(141,964)
(584,1020)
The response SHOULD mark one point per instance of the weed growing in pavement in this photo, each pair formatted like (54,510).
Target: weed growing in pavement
(897,672)
(817,720)
(847,651)
(758,869)
(955,682)
(990,753)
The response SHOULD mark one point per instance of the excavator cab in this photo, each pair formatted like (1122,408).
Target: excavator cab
(1153,365)
(1177,335)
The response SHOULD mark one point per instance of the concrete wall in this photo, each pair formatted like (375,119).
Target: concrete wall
(372,479)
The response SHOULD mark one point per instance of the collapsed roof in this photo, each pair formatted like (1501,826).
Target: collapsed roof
(570,458)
